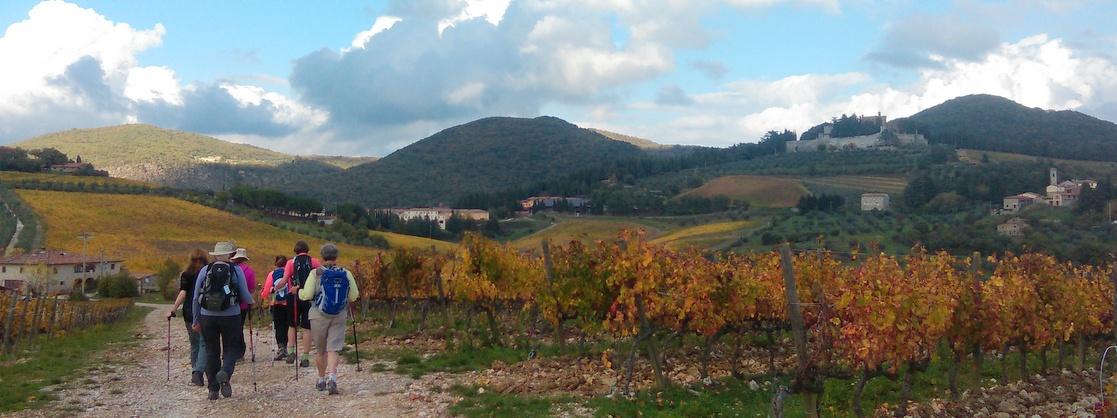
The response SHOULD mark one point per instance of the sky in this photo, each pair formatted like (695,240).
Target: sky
(370,77)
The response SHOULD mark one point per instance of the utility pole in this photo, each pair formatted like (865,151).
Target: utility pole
(84,237)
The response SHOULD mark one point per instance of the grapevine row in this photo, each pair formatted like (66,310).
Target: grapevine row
(27,319)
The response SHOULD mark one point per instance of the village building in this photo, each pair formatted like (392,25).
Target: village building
(1059,194)
(440,215)
(53,271)
(1013,228)
(875,201)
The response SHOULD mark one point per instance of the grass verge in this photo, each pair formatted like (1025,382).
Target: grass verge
(477,403)
(24,374)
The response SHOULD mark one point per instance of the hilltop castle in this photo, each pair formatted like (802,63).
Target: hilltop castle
(887,138)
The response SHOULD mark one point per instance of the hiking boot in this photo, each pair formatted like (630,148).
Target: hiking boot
(304,363)
(281,356)
(321,385)
(223,379)
(213,395)
(196,379)
(331,387)
(291,359)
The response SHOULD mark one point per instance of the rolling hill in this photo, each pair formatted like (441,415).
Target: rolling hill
(484,155)
(761,191)
(185,159)
(995,123)
(145,230)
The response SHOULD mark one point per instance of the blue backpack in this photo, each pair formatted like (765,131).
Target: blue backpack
(333,290)
(280,293)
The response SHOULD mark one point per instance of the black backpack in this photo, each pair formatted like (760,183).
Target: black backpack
(302,269)
(219,291)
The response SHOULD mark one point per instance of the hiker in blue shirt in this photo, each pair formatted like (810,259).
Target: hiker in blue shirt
(218,291)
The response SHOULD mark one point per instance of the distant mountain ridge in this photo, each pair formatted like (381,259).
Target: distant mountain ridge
(184,159)
(994,123)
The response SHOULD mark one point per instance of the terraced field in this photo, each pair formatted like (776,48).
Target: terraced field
(582,229)
(703,236)
(885,184)
(759,191)
(145,230)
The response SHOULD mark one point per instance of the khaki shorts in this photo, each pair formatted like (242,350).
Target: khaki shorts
(327,331)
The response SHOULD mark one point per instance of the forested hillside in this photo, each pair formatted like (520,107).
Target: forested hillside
(994,123)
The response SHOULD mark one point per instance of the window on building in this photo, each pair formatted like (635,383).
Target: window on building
(112,266)
(56,270)
(4,269)
(21,270)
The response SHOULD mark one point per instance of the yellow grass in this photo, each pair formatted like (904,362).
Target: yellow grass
(410,241)
(762,191)
(18,176)
(580,229)
(702,236)
(145,230)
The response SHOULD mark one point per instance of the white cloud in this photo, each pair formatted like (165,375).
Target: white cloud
(381,24)
(491,10)
(148,84)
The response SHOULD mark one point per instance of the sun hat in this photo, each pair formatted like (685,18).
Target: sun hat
(223,248)
(241,253)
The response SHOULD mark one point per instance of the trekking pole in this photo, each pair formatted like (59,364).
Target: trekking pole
(356,347)
(168,349)
(296,299)
(252,347)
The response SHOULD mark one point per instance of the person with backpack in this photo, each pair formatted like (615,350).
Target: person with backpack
(185,299)
(280,317)
(332,288)
(240,259)
(294,276)
(218,291)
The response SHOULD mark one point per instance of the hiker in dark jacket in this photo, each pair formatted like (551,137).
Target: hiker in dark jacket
(329,287)
(185,299)
(216,309)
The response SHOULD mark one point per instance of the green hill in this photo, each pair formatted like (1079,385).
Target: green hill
(484,155)
(995,123)
(185,159)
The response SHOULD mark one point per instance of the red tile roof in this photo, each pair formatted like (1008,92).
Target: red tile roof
(50,258)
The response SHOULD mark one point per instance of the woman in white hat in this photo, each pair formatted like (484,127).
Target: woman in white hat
(240,259)
(218,292)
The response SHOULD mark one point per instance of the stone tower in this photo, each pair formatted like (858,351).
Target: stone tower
(1053,176)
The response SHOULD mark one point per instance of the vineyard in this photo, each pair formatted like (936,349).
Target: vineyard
(809,316)
(27,319)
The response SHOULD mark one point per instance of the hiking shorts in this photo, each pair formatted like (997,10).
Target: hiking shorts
(328,331)
(303,318)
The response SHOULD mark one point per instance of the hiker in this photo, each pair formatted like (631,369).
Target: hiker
(185,298)
(218,291)
(332,288)
(295,273)
(240,259)
(280,317)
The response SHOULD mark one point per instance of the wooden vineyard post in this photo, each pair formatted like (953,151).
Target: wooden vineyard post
(975,266)
(797,330)
(548,269)
(8,321)
(53,316)
(36,318)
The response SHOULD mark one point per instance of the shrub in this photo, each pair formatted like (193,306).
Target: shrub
(117,286)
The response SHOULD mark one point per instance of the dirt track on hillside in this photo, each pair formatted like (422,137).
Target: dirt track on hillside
(132,381)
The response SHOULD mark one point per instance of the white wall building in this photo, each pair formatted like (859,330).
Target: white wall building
(52,271)
(875,201)
(441,215)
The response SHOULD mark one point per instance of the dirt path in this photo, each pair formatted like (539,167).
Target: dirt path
(132,381)
(15,235)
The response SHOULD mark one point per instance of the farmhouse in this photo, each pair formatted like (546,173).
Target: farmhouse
(67,168)
(52,271)
(1016,203)
(1013,227)
(441,215)
(875,201)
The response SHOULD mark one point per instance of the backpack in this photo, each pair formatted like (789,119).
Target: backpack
(333,290)
(218,290)
(302,270)
(280,293)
